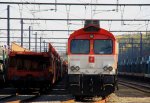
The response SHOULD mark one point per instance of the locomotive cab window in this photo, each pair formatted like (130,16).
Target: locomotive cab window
(103,47)
(80,46)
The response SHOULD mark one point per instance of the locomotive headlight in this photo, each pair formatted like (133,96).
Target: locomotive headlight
(72,68)
(105,68)
(108,68)
(75,68)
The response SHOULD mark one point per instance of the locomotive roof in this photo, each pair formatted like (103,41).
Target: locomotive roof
(98,30)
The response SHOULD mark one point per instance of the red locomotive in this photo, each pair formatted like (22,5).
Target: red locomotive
(92,61)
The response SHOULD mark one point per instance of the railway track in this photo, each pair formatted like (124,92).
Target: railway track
(4,97)
(58,93)
(53,96)
(136,85)
(18,98)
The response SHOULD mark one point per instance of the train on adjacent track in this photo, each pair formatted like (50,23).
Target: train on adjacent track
(138,67)
(27,69)
(92,61)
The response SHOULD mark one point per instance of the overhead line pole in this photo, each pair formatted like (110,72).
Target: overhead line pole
(29,37)
(40,43)
(44,45)
(36,42)
(141,45)
(73,4)
(21,32)
(8,26)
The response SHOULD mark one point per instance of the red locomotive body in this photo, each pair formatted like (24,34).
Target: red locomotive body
(92,61)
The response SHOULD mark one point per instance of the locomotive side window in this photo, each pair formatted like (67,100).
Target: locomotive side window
(103,47)
(80,46)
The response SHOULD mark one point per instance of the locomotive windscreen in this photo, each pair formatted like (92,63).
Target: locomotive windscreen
(80,46)
(103,46)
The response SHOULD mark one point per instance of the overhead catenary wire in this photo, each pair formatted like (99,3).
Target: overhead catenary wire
(74,4)
(142,26)
(61,30)
(101,11)
(33,14)
(135,17)
(68,19)
(76,19)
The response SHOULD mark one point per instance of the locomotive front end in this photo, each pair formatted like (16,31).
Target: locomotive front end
(92,61)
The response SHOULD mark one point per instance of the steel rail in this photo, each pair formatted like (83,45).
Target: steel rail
(7,97)
(137,86)
(30,98)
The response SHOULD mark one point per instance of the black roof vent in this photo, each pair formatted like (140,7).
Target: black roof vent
(91,23)
(91,29)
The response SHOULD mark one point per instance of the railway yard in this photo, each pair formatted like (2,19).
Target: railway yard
(127,93)
(77,51)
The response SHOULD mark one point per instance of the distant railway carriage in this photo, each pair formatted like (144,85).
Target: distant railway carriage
(28,69)
(92,61)
(139,67)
